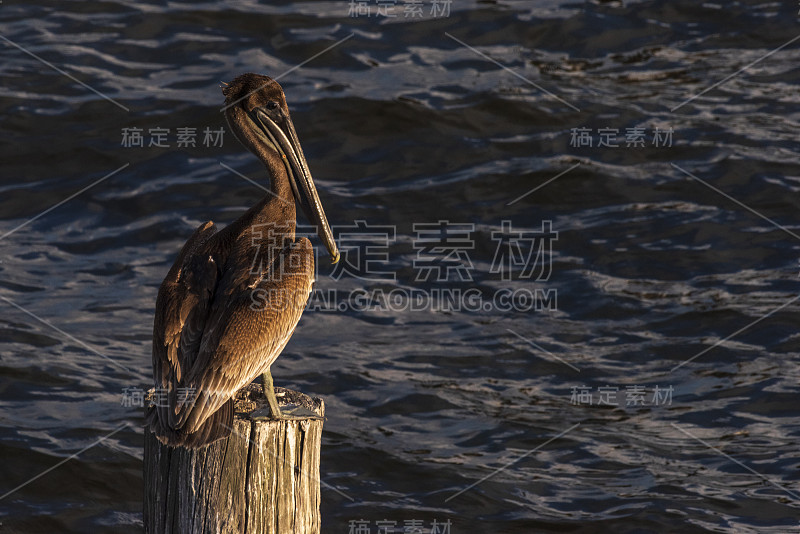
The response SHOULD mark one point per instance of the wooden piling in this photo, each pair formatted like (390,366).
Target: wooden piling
(262,479)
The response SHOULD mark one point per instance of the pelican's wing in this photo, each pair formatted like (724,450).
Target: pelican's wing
(247,329)
(181,311)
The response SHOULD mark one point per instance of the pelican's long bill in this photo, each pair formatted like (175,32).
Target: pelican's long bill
(278,128)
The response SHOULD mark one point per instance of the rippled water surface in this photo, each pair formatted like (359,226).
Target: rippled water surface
(675,267)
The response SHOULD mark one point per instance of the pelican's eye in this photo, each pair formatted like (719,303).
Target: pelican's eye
(272,105)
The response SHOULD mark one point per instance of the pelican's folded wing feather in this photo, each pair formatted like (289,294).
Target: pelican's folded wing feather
(246,331)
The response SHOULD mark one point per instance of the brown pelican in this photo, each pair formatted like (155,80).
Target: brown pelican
(209,339)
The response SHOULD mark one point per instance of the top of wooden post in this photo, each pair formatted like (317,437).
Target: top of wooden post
(251,404)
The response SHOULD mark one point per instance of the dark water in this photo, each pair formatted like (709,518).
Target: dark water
(663,253)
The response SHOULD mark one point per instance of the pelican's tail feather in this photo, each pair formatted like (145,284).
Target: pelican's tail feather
(215,428)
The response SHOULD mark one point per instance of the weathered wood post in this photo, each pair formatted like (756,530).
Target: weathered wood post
(264,478)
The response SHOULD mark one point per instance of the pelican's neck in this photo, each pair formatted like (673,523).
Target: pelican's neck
(277,206)
(259,233)
(278,177)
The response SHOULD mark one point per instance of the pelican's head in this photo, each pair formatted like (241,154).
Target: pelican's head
(256,110)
